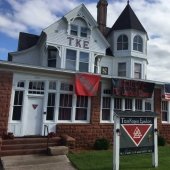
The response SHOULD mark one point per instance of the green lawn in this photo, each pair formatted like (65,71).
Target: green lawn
(102,160)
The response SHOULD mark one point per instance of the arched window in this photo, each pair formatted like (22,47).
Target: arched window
(138,43)
(122,42)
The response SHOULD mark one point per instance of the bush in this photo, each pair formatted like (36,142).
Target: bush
(161,141)
(101,144)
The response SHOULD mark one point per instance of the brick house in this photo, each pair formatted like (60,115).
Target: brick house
(76,74)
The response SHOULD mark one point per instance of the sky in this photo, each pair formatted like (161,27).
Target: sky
(34,15)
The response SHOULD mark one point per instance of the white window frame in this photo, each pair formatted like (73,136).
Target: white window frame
(122,72)
(77,61)
(165,109)
(139,73)
(136,41)
(122,43)
(106,92)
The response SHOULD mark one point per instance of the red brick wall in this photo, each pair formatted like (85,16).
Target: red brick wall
(5,96)
(165,132)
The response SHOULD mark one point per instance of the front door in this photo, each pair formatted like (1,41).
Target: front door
(34,116)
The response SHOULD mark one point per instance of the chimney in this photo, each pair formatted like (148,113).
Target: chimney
(102,15)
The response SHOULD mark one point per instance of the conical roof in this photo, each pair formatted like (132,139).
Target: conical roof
(128,20)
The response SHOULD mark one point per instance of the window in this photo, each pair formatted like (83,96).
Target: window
(52,85)
(20,84)
(148,106)
(128,104)
(122,42)
(117,104)
(50,106)
(137,71)
(106,108)
(84,62)
(138,43)
(17,107)
(74,30)
(65,104)
(165,111)
(71,56)
(52,57)
(81,108)
(83,32)
(36,87)
(138,104)
(122,69)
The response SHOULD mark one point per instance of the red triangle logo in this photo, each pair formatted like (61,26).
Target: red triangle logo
(34,106)
(136,132)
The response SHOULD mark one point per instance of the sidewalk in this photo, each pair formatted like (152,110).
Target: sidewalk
(36,162)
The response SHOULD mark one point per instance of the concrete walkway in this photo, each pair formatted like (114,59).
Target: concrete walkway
(36,162)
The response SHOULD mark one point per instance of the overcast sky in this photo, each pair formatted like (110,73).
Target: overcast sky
(34,15)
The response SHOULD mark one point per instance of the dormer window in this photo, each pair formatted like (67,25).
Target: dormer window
(79,28)
(138,43)
(122,42)
(83,32)
(74,30)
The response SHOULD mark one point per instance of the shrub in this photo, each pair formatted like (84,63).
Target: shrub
(101,144)
(161,141)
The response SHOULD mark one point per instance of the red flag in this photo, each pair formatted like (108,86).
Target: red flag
(86,84)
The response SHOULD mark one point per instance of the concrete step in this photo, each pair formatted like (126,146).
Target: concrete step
(22,152)
(36,162)
(30,140)
(26,146)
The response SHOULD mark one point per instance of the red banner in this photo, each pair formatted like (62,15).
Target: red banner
(132,88)
(166,92)
(86,84)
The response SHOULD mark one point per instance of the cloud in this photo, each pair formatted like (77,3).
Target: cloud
(3,52)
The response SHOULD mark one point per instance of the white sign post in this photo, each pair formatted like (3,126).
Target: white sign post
(116,140)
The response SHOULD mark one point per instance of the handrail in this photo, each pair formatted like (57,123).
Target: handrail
(46,128)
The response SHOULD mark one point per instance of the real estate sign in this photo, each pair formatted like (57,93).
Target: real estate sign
(136,135)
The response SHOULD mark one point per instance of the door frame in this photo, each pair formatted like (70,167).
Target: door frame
(26,112)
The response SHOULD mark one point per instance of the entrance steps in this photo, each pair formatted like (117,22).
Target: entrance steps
(25,146)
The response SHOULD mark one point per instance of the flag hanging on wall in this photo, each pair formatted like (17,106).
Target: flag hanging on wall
(132,88)
(86,84)
(166,93)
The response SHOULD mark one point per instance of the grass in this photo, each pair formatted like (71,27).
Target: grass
(102,160)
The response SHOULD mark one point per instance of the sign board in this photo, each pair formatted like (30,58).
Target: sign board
(136,135)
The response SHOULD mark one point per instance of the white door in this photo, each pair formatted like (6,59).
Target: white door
(34,116)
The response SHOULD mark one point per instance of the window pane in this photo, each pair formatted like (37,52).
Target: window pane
(71,59)
(71,54)
(64,114)
(122,69)
(66,87)
(81,113)
(52,85)
(50,113)
(106,114)
(83,67)
(17,113)
(65,100)
(18,98)
(82,101)
(51,99)
(138,104)
(128,104)
(117,103)
(51,63)
(52,54)
(74,30)
(122,42)
(84,57)
(83,32)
